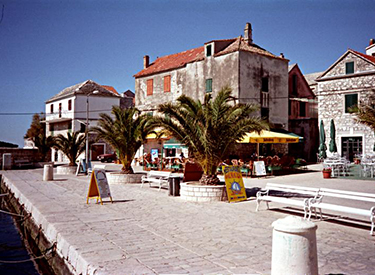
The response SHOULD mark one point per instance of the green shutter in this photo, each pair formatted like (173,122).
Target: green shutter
(349,67)
(209,85)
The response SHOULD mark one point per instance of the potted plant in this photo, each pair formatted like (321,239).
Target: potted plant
(327,172)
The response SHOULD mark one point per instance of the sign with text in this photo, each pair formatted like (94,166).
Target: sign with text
(234,183)
(99,187)
(259,168)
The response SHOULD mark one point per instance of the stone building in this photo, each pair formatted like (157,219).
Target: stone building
(255,75)
(348,82)
(66,112)
(303,115)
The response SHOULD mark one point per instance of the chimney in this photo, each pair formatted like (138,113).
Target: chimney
(370,50)
(248,34)
(146,61)
(281,55)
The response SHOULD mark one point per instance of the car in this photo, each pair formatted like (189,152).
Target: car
(107,157)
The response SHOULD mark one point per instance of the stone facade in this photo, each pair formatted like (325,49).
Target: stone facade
(334,88)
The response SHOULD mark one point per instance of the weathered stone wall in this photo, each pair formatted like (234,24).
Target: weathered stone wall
(19,154)
(331,96)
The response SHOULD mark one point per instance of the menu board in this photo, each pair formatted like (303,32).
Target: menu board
(259,168)
(99,187)
(234,183)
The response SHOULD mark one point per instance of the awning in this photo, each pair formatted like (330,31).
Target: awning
(269,137)
(173,144)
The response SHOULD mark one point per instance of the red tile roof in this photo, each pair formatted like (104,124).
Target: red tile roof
(179,60)
(368,57)
(110,88)
(172,61)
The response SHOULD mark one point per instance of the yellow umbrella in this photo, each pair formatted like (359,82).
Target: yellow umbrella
(269,137)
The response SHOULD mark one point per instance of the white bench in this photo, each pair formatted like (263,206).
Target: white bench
(158,177)
(317,203)
(300,201)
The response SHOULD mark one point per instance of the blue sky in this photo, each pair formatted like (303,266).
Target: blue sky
(48,45)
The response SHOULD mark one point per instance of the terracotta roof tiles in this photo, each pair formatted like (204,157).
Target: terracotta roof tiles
(368,57)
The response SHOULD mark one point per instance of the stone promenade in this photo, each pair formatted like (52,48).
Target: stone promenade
(145,231)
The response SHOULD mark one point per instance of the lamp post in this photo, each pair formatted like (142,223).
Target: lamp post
(87,128)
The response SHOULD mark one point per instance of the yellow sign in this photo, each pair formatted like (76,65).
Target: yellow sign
(234,183)
(99,187)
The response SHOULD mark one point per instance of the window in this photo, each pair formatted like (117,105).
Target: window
(209,85)
(350,102)
(69,105)
(264,84)
(150,114)
(294,84)
(208,50)
(265,113)
(265,100)
(51,108)
(349,67)
(150,87)
(302,109)
(167,83)
(60,109)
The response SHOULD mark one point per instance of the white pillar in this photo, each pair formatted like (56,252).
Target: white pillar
(294,247)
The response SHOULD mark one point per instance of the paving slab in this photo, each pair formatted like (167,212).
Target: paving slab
(148,232)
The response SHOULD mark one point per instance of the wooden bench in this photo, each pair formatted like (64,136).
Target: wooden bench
(317,203)
(159,177)
(292,195)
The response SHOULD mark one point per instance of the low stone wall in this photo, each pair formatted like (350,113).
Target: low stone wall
(19,154)
(202,193)
(66,170)
(118,178)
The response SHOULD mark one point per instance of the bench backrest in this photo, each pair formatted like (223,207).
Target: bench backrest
(325,192)
(292,189)
(158,174)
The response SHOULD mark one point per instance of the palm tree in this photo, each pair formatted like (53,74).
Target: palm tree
(71,145)
(210,129)
(365,112)
(125,133)
(44,144)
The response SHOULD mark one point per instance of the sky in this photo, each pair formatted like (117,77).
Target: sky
(48,45)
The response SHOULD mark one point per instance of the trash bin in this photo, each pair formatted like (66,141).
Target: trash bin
(174,186)
(48,172)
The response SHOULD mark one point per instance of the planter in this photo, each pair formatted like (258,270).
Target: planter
(66,170)
(357,161)
(118,178)
(327,174)
(190,191)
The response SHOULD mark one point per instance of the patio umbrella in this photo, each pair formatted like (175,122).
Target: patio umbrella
(268,137)
(322,137)
(332,143)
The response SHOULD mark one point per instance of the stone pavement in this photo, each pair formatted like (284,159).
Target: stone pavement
(147,232)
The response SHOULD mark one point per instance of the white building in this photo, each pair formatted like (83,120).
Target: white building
(67,112)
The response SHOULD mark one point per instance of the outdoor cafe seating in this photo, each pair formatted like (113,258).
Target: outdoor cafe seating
(339,165)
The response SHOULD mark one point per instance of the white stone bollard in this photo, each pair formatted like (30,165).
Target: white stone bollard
(294,247)
(48,172)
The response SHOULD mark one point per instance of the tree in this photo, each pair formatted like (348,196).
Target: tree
(210,129)
(365,111)
(125,133)
(71,145)
(37,133)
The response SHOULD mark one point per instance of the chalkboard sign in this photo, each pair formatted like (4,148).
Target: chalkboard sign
(259,168)
(99,187)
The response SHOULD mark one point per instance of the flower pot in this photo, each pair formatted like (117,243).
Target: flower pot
(327,174)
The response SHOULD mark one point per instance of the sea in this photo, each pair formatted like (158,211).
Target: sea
(12,249)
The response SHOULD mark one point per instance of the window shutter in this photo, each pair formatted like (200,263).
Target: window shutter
(167,83)
(350,101)
(209,85)
(150,86)
(349,67)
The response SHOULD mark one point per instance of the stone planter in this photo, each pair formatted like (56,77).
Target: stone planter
(190,191)
(118,178)
(66,170)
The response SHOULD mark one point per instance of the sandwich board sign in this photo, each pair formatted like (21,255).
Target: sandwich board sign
(99,188)
(234,183)
(259,168)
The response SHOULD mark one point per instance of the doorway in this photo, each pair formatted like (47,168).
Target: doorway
(351,146)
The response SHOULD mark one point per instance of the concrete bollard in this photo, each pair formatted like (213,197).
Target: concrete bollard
(294,247)
(48,172)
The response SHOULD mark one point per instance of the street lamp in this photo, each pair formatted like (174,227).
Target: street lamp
(87,128)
